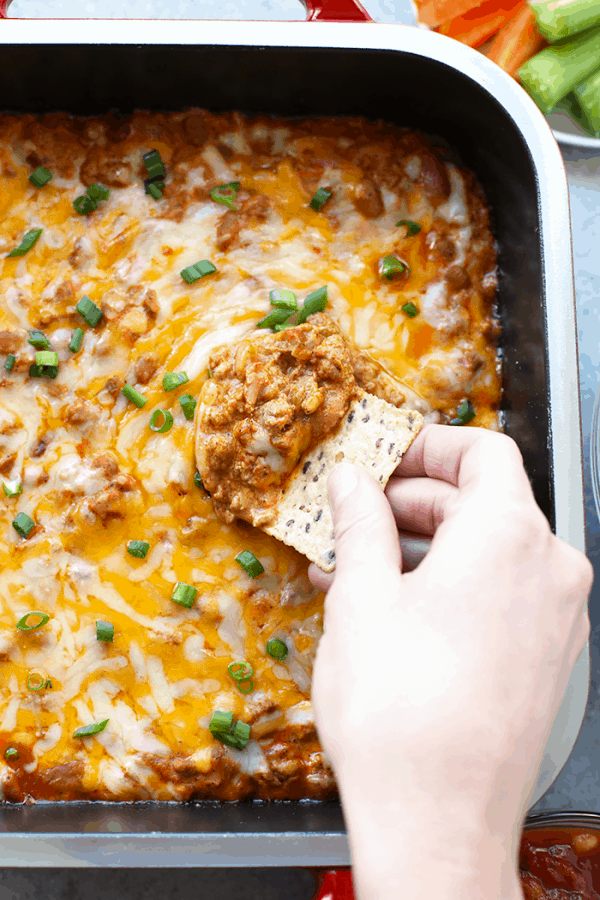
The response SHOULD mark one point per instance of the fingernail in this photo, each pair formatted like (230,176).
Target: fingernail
(342,482)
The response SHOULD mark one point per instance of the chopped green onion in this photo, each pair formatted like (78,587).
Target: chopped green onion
(139,549)
(240,670)
(46,358)
(48,685)
(221,727)
(27,243)
(85,205)
(88,310)
(221,722)
(38,340)
(10,362)
(12,492)
(40,177)
(184,594)
(277,649)
(198,270)
(98,192)
(391,266)
(239,736)
(105,631)
(245,685)
(11,753)
(198,481)
(249,563)
(36,371)
(226,194)
(464,413)
(411,227)
(88,730)
(284,299)
(320,199)
(410,309)
(22,623)
(23,525)
(135,396)
(166,425)
(276,317)
(315,302)
(173,380)
(154,164)
(154,188)
(188,406)
(36,681)
(76,340)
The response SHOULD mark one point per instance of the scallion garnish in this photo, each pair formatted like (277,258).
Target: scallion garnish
(226,194)
(23,525)
(188,406)
(277,649)
(221,722)
(38,340)
(154,188)
(84,205)
(37,681)
(22,623)
(88,310)
(184,594)
(172,380)
(105,631)
(139,549)
(161,421)
(315,302)
(249,563)
(36,371)
(76,340)
(10,362)
(320,199)
(464,413)
(198,270)
(46,358)
(11,753)
(240,670)
(98,192)
(410,309)
(154,164)
(284,299)
(391,266)
(12,492)
(27,243)
(198,481)
(40,177)
(88,730)
(130,392)
(411,227)
(275,317)
(222,728)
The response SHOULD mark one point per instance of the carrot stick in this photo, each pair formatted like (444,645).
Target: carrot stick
(516,42)
(435,12)
(476,26)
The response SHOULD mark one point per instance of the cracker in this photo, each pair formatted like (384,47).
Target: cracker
(375,435)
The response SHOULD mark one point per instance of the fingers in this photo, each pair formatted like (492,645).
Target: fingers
(319,579)
(419,504)
(413,548)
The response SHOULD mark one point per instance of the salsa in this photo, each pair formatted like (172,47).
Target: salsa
(560,864)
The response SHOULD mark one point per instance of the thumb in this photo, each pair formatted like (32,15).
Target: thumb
(365,529)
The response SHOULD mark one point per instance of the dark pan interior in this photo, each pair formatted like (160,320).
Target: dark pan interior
(398,87)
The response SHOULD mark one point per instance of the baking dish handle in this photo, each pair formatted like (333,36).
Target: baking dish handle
(335,884)
(316,10)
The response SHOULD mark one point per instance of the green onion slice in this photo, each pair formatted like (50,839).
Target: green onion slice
(249,563)
(38,340)
(221,722)
(139,549)
(172,380)
(40,176)
(154,188)
(22,623)
(198,481)
(184,594)
(315,302)
(27,243)
(10,362)
(85,205)
(89,311)
(48,685)
(284,299)
(464,413)
(154,164)
(76,340)
(98,192)
(43,371)
(46,358)
(277,649)
(188,406)
(276,317)
(12,492)
(87,730)
(11,753)
(390,266)
(410,309)
(240,670)
(23,525)
(198,270)
(164,417)
(130,392)
(320,199)
(105,631)
(36,681)
(226,194)
(245,685)
(221,727)
(411,227)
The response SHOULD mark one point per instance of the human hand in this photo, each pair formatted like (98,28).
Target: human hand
(435,690)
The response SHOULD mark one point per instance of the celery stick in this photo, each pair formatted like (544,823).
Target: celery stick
(554,72)
(559,19)
(588,97)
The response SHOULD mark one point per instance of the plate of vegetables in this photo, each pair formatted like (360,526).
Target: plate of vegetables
(551,47)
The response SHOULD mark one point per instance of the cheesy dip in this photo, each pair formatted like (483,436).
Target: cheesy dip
(140,658)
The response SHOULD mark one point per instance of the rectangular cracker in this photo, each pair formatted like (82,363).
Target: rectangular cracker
(374,435)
